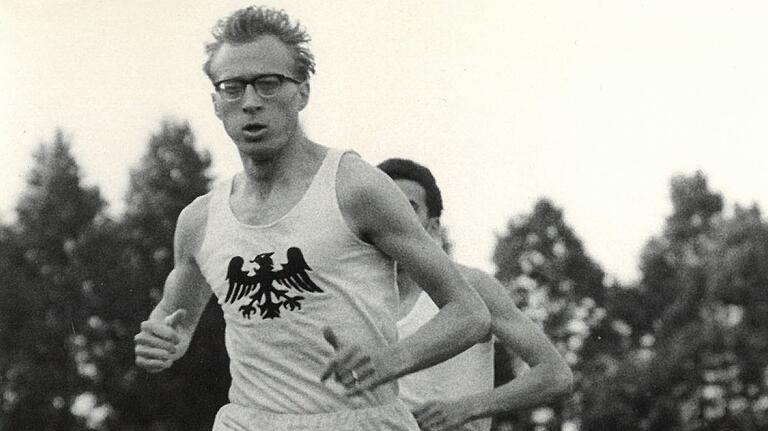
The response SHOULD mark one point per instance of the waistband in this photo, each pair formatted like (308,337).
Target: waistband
(393,416)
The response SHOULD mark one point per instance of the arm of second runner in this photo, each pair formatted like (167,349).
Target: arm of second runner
(548,378)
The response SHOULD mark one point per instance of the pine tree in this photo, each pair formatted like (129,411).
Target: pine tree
(697,319)
(55,208)
(53,213)
(557,284)
(171,174)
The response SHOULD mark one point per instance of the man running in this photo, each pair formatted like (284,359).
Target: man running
(459,393)
(299,249)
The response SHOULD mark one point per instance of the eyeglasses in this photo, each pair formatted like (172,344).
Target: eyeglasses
(266,86)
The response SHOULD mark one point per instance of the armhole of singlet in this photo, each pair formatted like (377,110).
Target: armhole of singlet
(337,206)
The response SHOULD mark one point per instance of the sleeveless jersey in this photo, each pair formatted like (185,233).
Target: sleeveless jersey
(279,284)
(467,373)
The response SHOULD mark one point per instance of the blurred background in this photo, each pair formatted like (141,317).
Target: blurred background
(606,162)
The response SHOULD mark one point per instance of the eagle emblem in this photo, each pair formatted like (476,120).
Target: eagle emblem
(265,297)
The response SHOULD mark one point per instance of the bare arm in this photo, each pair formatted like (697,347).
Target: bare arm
(165,335)
(378,211)
(548,378)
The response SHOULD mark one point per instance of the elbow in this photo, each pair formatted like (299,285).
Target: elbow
(480,324)
(563,384)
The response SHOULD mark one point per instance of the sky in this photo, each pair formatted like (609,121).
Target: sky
(593,104)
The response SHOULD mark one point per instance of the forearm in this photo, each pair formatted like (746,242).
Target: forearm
(182,291)
(164,309)
(452,330)
(543,383)
(161,310)
(463,318)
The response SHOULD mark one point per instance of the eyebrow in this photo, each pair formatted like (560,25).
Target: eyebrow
(243,78)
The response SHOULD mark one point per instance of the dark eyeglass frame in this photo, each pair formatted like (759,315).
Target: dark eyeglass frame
(255,81)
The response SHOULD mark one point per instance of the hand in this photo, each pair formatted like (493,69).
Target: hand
(441,415)
(353,366)
(160,343)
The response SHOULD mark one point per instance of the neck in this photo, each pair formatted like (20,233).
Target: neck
(263,172)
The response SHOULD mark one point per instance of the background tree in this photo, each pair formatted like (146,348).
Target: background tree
(696,321)
(43,283)
(75,286)
(735,368)
(554,281)
(172,173)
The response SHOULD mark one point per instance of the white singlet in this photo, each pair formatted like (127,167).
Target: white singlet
(467,373)
(281,283)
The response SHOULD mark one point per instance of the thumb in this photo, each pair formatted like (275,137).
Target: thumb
(330,336)
(176,317)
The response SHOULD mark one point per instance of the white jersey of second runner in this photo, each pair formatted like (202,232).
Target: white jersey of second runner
(467,373)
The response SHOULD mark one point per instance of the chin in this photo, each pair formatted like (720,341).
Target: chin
(259,151)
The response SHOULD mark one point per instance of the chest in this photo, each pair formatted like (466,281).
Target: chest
(258,209)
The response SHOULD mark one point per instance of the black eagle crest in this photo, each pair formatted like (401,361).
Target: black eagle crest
(262,293)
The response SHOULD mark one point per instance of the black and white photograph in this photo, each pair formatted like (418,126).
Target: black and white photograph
(395,215)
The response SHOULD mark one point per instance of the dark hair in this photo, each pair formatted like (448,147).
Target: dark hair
(404,169)
(248,24)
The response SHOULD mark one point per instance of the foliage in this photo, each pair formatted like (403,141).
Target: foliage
(557,284)
(76,285)
(683,349)
(699,335)
(41,281)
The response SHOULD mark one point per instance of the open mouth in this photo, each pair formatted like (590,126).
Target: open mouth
(254,128)
(254,131)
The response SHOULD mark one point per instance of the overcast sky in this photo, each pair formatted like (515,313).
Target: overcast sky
(595,104)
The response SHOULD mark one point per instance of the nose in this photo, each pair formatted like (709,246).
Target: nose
(251,100)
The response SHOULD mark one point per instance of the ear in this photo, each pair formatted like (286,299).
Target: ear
(303,94)
(433,227)
(216,109)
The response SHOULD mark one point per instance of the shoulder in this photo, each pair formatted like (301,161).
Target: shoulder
(362,188)
(191,224)
(369,200)
(195,214)
(358,178)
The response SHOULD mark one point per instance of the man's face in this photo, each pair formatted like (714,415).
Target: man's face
(417,196)
(259,126)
